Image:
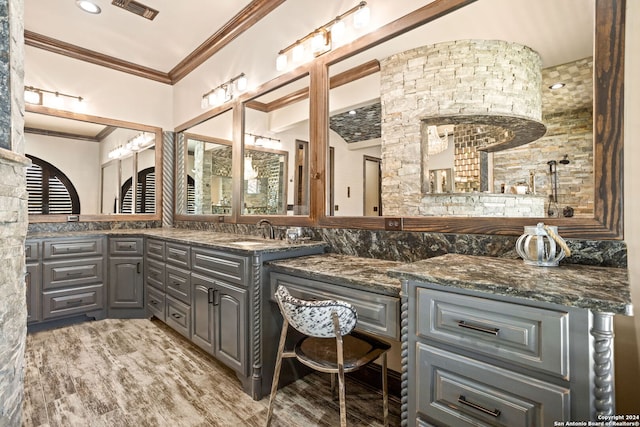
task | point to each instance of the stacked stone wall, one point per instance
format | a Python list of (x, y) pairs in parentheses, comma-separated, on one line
[(13, 214)]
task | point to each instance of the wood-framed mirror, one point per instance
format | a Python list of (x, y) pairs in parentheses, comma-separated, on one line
[(277, 153), (204, 167), (76, 154), (608, 60)]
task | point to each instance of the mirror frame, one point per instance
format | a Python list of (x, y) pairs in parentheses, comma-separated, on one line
[(608, 109), (108, 122)]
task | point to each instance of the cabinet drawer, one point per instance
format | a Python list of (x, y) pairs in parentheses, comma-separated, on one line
[(156, 303), (178, 316), (62, 274), (154, 273), (230, 268), (125, 246), (456, 390), (31, 251), (179, 255), (73, 248), (72, 301), (377, 314), (155, 249), (178, 284), (528, 336)]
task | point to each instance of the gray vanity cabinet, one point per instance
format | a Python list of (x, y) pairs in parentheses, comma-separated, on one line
[(126, 280), (219, 320), (219, 306), (73, 277), (494, 361)]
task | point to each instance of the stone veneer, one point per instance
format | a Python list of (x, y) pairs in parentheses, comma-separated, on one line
[(458, 78), (13, 213)]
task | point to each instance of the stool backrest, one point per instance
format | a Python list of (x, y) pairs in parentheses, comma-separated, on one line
[(314, 318)]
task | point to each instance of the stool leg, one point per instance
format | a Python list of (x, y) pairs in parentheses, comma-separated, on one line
[(333, 386), (276, 372), (385, 393)]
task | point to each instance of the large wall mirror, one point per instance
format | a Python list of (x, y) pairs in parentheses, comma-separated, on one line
[(91, 168), (204, 163), (276, 151), (395, 149)]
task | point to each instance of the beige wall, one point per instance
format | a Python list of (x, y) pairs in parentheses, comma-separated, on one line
[(627, 341)]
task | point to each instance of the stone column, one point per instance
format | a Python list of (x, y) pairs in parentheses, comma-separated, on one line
[(13, 213)]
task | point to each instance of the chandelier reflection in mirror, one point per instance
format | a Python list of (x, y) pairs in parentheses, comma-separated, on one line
[(139, 142), (435, 143), (332, 34)]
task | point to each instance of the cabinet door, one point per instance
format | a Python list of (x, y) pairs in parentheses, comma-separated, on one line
[(230, 326), (33, 281), (202, 311), (126, 286)]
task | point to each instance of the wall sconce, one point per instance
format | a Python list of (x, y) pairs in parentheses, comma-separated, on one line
[(261, 141), (322, 38), (54, 99), (139, 142), (225, 91)]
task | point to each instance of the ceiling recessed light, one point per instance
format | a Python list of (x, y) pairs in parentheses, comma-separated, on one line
[(88, 6), (556, 86)]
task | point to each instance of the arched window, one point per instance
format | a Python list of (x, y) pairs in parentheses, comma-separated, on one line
[(145, 194), (50, 191)]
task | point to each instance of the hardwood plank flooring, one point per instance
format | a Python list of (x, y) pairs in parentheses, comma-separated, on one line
[(139, 372)]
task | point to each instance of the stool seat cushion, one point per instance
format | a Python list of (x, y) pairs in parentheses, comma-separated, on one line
[(321, 353)]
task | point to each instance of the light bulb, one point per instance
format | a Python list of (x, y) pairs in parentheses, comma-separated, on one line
[(57, 101), (220, 95), (337, 32), (319, 42), (88, 6), (241, 83), (297, 54), (361, 17), (204, 102), (281, 62), (212, 99), (32, 97)]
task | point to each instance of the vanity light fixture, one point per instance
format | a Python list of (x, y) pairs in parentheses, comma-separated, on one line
[(261, 141), (558, 85), (137, 143), (88, 6), (36, 96), (322, 38), (225, 91)]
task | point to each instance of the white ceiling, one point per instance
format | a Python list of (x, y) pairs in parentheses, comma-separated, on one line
[(178, 29)]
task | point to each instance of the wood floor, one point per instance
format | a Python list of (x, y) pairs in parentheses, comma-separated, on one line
[(138, 372)]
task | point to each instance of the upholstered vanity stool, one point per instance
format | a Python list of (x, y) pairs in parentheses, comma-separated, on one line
[(330, 344)]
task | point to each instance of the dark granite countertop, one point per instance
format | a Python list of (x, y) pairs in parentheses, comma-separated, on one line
[(367, 274), (236, 242), (602, 289)]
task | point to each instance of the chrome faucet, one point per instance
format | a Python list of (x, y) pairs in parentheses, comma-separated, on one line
[(272, 233)]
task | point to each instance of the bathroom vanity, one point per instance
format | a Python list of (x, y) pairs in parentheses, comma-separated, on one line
[(492, 341), (207, 286)]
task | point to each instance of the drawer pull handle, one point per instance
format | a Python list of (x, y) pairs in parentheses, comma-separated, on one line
[(74, 273), (153, 302), (463, 400), (74, 302), (492, 331), (176, 315)]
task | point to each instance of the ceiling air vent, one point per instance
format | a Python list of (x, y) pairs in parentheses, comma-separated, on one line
[(137, 8)]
